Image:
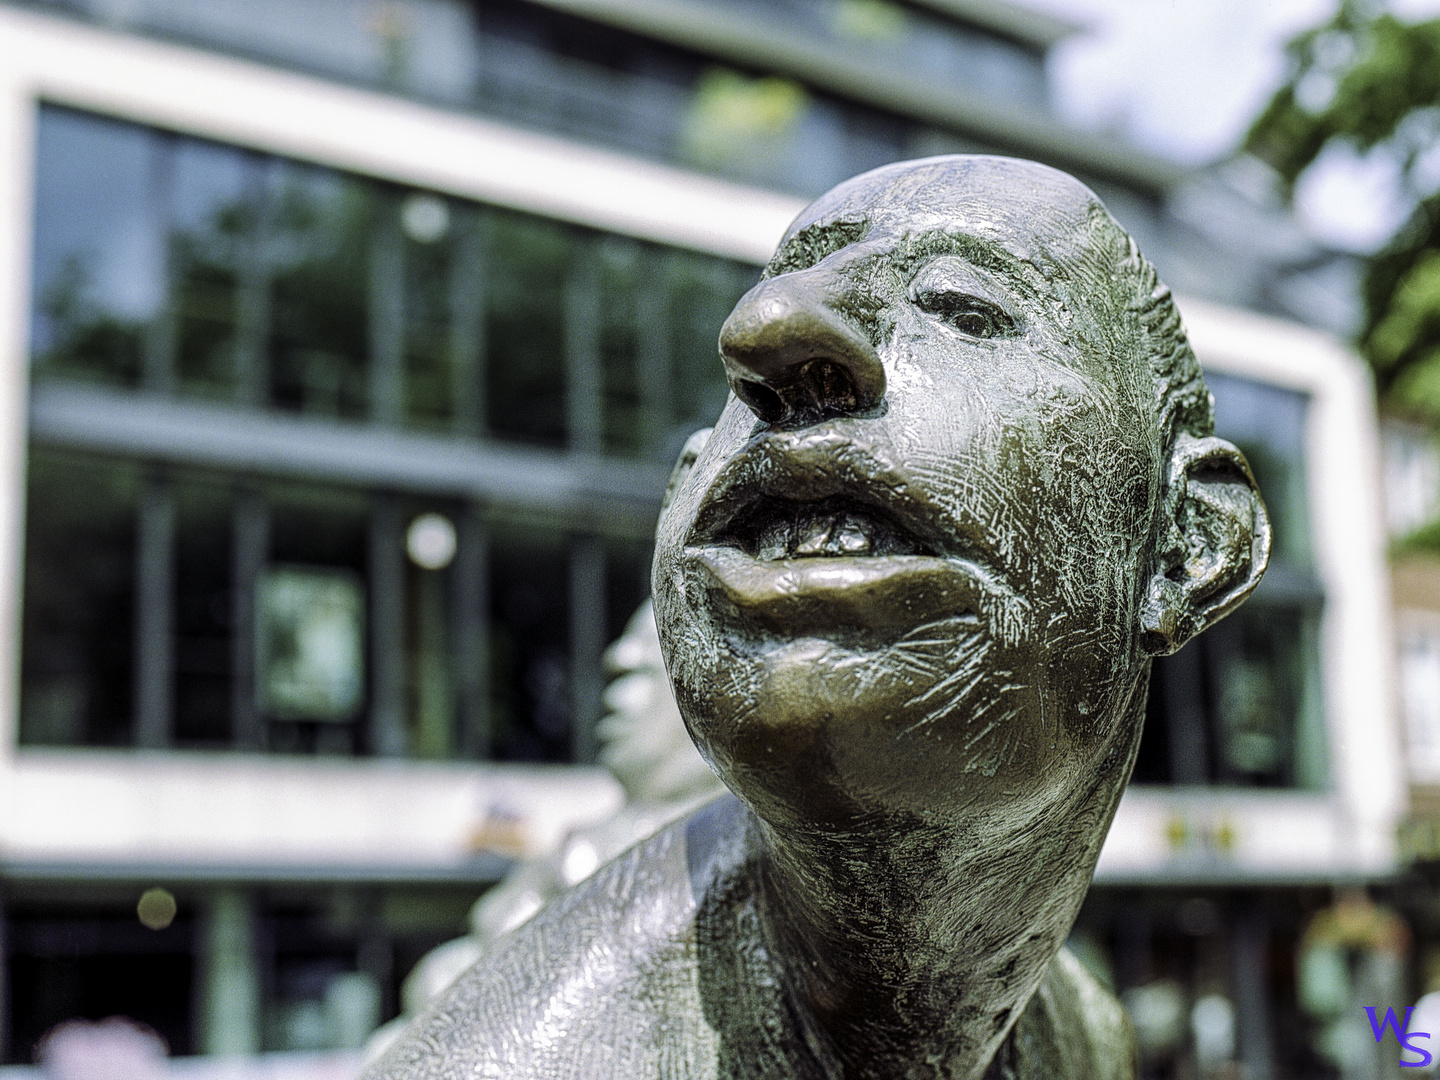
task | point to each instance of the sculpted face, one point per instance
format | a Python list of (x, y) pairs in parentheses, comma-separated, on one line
[(906, 572)]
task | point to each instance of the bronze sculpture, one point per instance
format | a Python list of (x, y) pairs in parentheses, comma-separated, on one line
[(909, 587)]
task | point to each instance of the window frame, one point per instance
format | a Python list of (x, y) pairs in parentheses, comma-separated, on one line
[(1214, 834)]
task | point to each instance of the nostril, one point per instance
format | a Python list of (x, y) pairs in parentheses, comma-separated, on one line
[(832, 386), (761, 400)]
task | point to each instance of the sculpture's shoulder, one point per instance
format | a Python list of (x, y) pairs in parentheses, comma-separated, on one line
[(1072, 1028), (656, 967), (601, 983)]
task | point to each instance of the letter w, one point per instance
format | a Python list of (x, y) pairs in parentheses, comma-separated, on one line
[(1379, 1026), (1403, 1035)]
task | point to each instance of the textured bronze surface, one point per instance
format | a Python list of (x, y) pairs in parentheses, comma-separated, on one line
[(909, 590)]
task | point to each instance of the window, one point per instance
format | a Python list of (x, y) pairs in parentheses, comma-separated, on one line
[(1240, 705), (174, 265), (545, 68), (236, 598), (1420, 693)]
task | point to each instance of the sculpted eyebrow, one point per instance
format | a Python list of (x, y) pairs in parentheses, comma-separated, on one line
[(812, 244), (981, 253)]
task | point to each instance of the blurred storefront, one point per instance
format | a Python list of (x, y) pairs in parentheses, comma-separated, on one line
[(344, 350)]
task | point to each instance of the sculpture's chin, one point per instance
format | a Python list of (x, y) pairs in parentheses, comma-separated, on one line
[(938, 720), (830, 688)]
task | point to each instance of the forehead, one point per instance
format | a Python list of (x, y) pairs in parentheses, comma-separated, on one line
[(1015, 215)]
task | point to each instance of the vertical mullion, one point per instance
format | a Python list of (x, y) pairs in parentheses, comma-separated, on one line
[(584, 386), (387, 627), (1249, 963), (387, 312), (5, 979), (157, 373), (587, 644), (469, 276), (375, 949), (471, 614), (653, 361), (154, 615), (253, 306), (230, 1002), (251, 552)]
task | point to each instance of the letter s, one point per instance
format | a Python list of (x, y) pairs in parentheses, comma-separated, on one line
[(1406, 1044)]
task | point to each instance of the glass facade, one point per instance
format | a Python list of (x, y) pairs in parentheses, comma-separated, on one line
[(1241, 705), (190, 271), (540, 67), (170, 604), (329, 960), (544, 69), (178, 266)]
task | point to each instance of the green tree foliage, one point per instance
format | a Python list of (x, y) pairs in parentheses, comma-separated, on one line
[(1371, 80)]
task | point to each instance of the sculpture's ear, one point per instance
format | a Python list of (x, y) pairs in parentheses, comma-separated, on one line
[(1214, 543), (684, 463)]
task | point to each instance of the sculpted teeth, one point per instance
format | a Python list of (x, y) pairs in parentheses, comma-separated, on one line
[(775, 540), (772, 529), (811, 534), (850, 539)]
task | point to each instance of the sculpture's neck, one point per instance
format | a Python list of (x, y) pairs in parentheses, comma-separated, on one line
[(914, 946)]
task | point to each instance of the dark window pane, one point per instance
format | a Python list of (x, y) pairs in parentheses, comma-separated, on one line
[(431, 538), (1264, 691), (430, 229), (530, 636), (67, 961), (212, 225), (308, 947), (318, 531), (203, 652), (1240, 705), (1268, 424), (99, 256), (319, 252), (618, 280), (529, 260), (703, 292), (627, 583), (78, 628)]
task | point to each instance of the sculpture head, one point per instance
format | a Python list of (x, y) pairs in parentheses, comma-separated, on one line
[(965, 488)]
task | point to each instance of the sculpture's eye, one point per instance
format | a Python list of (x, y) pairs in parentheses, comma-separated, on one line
[(968, 314)]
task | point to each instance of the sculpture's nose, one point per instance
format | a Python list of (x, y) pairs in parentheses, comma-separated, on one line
[(790, 356)]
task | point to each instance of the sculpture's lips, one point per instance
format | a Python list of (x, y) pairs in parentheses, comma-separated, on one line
[(883, 592), (818, 474), (809, 529)]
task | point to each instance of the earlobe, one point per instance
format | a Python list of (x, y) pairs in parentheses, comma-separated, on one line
[(684, 463), (1213, 546)]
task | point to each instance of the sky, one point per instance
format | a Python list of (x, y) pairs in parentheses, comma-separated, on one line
[(1184, 78)]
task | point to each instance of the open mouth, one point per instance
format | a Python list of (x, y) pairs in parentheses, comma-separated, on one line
[(773, 528), (820, 536)]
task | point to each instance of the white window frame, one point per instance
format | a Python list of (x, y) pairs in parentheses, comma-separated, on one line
[(1220, 834)]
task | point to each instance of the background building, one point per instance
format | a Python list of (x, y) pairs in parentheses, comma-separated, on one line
[(344, 349)]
